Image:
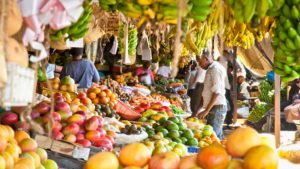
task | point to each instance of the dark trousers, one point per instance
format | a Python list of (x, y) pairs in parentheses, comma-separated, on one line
[(229, 115), (195, 95)]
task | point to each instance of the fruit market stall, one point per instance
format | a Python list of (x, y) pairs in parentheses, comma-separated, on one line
[(52, 123)]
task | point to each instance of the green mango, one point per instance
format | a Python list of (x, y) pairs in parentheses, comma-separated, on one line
[(292, 33), (294, 12)]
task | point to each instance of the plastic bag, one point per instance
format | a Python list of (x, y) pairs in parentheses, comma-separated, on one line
[(122, 139)]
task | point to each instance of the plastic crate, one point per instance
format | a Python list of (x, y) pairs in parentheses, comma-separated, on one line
[(20, 87), (193, 150)]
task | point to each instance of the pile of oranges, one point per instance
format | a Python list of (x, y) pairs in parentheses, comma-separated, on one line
[(102, 95)]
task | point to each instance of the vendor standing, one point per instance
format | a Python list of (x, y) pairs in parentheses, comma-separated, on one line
[(243, 88), (81, 70), (145, 73), (213, 95)]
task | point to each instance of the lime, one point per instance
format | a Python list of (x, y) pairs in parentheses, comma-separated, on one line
[(165, 132), (192, 142), (184, 140), (174, 119), (207, 130), (172, 126), (151, 121), (173, 134), (159, 128), (181, 126), (150, 133), (160, 150), (188, 134), (178, 151), (172, 144), (143, 119), (177, 140), (162, 120)]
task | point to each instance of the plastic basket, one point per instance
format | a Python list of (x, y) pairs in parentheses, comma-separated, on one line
[(20, 87), (193, 150), (126, 112)]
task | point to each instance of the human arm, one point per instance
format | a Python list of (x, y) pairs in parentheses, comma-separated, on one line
[(210, 105), (96, 77), (58, 68)]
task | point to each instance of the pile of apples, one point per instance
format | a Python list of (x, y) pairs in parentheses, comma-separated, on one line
[(73, 127), (19, 151), (102, 95)]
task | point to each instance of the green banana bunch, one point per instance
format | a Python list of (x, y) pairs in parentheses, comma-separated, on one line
[(200, 9), (78, 29), (121, 39), (258, 112), (286, 42), (108, 5), (132, 40), (275, 6)]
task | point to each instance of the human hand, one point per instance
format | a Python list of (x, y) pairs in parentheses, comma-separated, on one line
[(202, 114)]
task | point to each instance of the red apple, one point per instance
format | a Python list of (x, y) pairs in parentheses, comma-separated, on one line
[(112, 140), (84, 142), (57, 135), (42, 107), (80, 136), (65, 115), (76, 118), (9, 118), (92, 124), (168, 160), (59, 99), (70, 138), (71, 128), (35, 114), (102, 132), (81, 95), (145, 105), (62, 106), (104, 143), (22, 126), (139, 109), (56, 126), (93, 136)]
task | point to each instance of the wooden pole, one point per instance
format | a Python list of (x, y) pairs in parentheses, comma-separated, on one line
[(277, 110), (234, 85)]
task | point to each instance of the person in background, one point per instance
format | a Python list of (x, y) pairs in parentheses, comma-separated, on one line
[(196, 84), (52, 68), (243, 88), (145, 73), (190, 81), (213, 100), (164, 70), (81, 70)]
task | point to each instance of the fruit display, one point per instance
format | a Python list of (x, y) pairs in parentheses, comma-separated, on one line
[(115, 87), (200, 9), (158, 146), (126, 78), (78, 29), (19, 151), (172, 128), (102, 95), (286, 42), (258, 112), (131, 129), (106, 111)]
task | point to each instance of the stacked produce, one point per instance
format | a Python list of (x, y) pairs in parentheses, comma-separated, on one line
[(102, 95), (132, 40), (250, 153), (251, 10), (78, 29), (286, 42), (75, 127), (200, 32), (19, 151), (258, 112), (172, 128)]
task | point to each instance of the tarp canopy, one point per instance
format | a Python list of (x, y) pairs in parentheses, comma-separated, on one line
[(259, 58)]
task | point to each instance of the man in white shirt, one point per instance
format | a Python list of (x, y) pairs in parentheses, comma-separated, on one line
[(213, 95)]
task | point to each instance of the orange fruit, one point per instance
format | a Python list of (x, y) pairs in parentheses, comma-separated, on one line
[(96, 101), (20, 135), (102, 94), (261, 156), (108, 92), (213, 156), (104, 100), (102, 160), (97, 90), (245, 137), (92, 95), (139, 158)]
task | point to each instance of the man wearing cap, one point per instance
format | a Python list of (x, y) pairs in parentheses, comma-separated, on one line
[(81, 70), (213, 102)]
